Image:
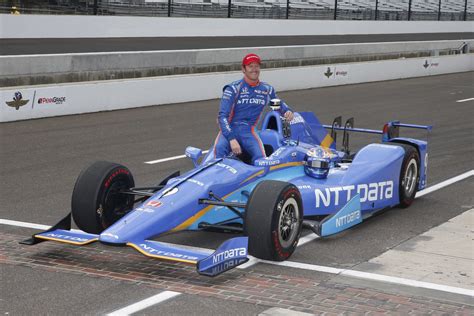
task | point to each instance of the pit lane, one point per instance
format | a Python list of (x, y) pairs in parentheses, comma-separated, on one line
[(41, 159)]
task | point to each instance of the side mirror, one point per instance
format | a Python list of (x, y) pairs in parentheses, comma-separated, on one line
[(194, 154)]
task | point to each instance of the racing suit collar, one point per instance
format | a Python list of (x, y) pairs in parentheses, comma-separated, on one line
[(252, 84)]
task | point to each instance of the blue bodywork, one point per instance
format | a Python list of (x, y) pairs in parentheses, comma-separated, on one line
[(352, 190)]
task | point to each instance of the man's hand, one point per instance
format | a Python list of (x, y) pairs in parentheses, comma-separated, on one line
[(235, 146), (289, 116)]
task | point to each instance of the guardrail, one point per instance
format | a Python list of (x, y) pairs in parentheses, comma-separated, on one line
[(410, 10)]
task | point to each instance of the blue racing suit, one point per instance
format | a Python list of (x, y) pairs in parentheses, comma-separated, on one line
[(240, 110)]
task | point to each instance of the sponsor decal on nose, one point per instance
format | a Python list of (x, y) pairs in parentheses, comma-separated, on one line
[(154, 203)]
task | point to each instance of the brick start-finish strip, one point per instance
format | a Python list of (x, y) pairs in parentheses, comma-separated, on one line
[(249, 286)]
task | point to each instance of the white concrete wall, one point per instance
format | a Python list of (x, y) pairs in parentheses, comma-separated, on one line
[(65, 26), (122, 94), (15, 65)]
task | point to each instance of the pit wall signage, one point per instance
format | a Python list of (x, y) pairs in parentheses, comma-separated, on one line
[(17, 104), (29, 99), (336, 72)]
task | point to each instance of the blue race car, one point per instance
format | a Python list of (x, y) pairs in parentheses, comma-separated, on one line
[(303, 182)]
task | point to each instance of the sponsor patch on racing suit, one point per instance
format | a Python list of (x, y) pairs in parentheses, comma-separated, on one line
[(240, 110)]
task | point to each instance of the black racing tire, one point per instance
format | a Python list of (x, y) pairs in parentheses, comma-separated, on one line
[(95, 204), (273, 220), (409, 176)]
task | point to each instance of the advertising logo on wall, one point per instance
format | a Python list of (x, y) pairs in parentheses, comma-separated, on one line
[(51, 100), (328, 73), (336, 72), (431, 63), (17, 101)]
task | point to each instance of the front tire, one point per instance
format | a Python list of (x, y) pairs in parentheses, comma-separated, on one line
[(409, 176), (273, 220), (96, 203)]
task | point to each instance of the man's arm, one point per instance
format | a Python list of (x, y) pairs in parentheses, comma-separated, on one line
[(225, 115), (225, 111)]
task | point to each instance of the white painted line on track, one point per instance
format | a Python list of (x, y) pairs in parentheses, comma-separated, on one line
[(28, 225), (24, 224), (465, 100), (408, 282), (138, 306), (373, 276), (170, 158), (303, 240), (305, 266), (312, 267), (445, 183)]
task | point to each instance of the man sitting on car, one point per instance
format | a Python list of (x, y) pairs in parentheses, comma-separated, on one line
[(242, 103)]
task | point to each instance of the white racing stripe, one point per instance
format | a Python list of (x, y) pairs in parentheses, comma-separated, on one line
[(170, 158), (465, 100), (138, 306)]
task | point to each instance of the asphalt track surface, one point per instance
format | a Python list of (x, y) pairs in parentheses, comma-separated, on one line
[(86, 45), (40, 160)]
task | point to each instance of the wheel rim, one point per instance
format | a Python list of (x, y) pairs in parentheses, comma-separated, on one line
[(288, 223), (409, 180), (115, 205)]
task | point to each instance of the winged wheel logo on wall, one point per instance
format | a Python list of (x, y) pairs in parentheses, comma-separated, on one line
[(18, 101)]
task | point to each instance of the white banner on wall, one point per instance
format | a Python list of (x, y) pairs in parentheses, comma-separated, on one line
[(21, 103)]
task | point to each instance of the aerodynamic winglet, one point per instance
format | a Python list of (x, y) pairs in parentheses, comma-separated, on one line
[(64, 224), (229, 255), (348, 216)]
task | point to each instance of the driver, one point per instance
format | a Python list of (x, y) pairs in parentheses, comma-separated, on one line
[(241, 105)]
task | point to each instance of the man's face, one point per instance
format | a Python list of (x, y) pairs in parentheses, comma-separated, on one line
[(252, 71)]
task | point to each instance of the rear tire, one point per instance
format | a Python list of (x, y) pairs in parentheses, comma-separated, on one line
[(95, 203), (409, 176), (273, 220)]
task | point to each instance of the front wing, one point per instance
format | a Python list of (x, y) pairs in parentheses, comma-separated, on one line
[(228, 255)]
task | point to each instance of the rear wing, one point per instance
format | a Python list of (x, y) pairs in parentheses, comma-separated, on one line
[(390, 134), (390, 130)]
